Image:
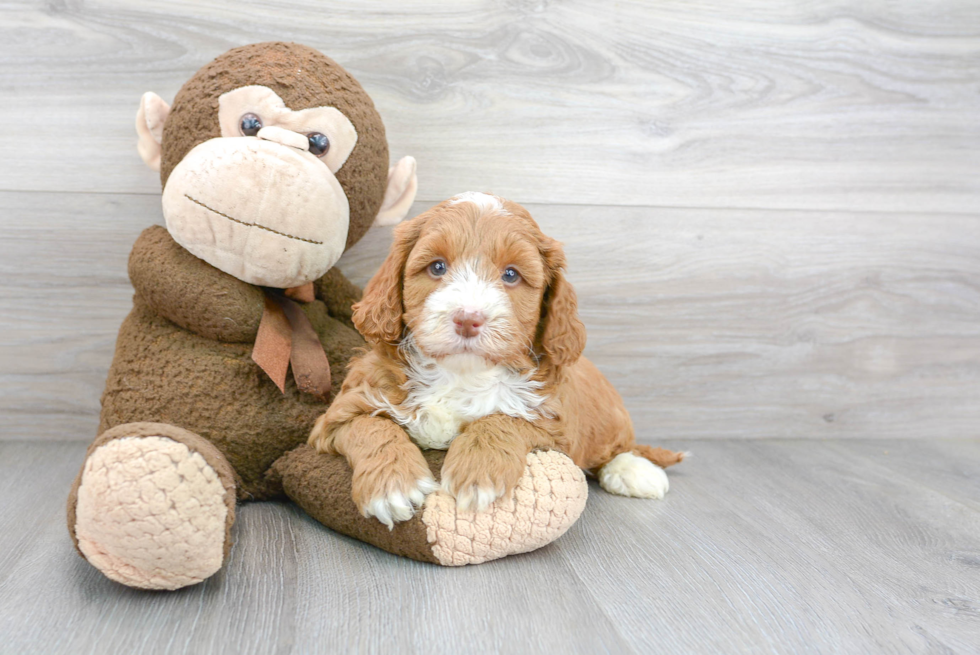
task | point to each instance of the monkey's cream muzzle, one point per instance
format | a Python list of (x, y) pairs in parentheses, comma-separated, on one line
[(262, 209)]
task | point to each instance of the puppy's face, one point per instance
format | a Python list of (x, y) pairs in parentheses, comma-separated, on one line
[(473, 283), (474, 276)]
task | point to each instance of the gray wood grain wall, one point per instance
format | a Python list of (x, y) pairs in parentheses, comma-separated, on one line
[(771, 210)]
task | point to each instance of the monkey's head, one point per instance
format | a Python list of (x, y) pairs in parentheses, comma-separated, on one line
[(273, 161)]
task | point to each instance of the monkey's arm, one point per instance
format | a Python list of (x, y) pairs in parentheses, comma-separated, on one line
[(338, 293), (190, 292)]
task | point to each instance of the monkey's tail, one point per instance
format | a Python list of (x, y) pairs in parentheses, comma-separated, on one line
[(659, 456)]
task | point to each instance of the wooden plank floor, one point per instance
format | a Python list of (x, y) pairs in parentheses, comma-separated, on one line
[(775, 546)]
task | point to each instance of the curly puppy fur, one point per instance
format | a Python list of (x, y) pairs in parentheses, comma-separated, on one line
[(476, 347)]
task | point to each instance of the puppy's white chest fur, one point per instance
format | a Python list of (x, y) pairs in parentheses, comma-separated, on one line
[(445, 395)]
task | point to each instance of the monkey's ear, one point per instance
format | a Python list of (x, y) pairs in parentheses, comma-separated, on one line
[(150, 117), (400, 193)]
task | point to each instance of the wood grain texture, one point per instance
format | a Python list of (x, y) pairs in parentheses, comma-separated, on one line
[(814, 104), (770, 546), (772, 218), (712, 324)]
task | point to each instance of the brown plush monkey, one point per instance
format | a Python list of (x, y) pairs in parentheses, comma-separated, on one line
[(273, 161)]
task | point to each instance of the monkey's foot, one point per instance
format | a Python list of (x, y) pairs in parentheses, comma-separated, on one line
[(548, 499), (153, 506)]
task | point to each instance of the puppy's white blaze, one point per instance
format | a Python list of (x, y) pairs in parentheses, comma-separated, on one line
[(630, 475), (484, 201), (464, 290), (397, 506)]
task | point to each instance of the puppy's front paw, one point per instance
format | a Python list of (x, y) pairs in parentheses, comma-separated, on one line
[(477, 477), (390, 487), (471, 496), (399, 504), (320, 435)]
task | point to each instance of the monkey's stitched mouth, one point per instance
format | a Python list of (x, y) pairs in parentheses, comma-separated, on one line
[(261, 227)]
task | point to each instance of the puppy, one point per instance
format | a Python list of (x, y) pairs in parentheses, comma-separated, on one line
[(476, 348)]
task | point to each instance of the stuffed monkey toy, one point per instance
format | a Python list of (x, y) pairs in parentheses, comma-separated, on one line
[(273, 162)]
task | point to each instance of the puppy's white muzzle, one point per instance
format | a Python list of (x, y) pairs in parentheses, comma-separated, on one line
[(466, 314)]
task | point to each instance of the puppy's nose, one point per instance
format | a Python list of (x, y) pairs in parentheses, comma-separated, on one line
[(468, 324)]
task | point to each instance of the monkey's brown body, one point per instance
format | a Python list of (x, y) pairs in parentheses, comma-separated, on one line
[(195, 371), (190, 422)]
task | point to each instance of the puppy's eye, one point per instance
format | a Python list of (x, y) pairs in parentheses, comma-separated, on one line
[(319, 143), (511, 276), (250, 124), (437, 268)]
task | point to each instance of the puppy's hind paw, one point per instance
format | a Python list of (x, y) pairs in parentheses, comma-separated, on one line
[(630, 475)]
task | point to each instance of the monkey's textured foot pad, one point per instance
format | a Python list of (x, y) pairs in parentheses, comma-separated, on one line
[(548, 499), (153, 506)]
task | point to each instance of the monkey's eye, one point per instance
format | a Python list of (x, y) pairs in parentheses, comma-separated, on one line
[(250, 124), (437, 268), (511, 276), (319, 143)]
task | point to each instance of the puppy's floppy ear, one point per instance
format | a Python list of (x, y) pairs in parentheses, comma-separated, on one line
[(378, 316), (561, 334)]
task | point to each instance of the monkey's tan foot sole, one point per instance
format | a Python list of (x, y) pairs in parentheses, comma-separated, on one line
[(548, 499), (152, 512)]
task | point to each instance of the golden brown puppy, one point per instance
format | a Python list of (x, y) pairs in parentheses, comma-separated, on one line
[(476, 348)]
